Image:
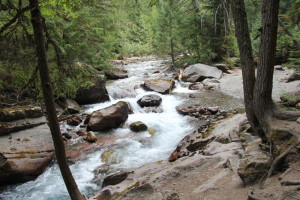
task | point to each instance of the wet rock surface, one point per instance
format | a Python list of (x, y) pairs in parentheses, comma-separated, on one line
[(138, 126), (163, 86), (149, 101), (108, 118)]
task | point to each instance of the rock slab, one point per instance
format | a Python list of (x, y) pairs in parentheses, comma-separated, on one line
[(199, 72)]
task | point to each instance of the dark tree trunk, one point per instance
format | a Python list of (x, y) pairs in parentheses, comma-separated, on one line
[(243, 38), (171, 33), (263, 103), (60, 153)]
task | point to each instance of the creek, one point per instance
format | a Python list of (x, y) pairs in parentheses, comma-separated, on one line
[(128, 150)]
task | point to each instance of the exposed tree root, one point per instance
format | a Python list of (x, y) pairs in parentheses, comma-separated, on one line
[(251, 197), (290, 183), (286, 115), (276, 161)]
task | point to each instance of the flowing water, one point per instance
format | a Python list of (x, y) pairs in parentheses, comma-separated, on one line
[(128, 151)]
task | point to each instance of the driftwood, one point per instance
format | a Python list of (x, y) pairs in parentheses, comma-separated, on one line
[(290, 183)]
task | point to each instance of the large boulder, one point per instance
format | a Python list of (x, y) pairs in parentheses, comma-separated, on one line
[(294, 77), (110, 117), (199, 72), (97, 93), (20, 112), (163, 86), (149, 100), (70, 106), (116, 74), (24, 155)]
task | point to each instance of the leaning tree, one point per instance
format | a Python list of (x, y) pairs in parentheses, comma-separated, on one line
[(274, 125), (39, 35)]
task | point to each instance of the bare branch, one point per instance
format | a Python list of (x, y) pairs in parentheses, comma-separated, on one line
[(14, 19)]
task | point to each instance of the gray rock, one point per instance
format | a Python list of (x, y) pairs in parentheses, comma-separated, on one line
[(163, 86), (116, 74), (25, 154), (153, 110), (109, 117), (199, 72), (96, 93), (70, 106), (298, 120), (298, 105), (223, 67), (138, 126), (294, 77), (278, 67), (150, 100), (196, 86)]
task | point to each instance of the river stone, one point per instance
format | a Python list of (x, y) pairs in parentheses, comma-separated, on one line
[(298, 120), (163, 86), (199, 72), (138, 126), (153, 110), (196, 86), (109, 157), (150, 100), (109, 117), (91, 137), (294, 77), (116, 74), (20, 112), (96, 93)]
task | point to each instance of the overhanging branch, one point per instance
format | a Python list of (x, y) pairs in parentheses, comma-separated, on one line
[(14, 19)]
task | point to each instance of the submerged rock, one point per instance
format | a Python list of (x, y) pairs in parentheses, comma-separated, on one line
[(150, 100), (138, 126), (109, 117), (196, 86), (199, 72), (163, 86)]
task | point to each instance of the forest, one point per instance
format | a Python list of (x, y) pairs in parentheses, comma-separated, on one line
[(84, 36), (130, 99)]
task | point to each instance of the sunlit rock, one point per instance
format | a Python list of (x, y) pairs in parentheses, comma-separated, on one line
[(199, 72), (109, 117), (116, 74), (91, 137), (163, 86)]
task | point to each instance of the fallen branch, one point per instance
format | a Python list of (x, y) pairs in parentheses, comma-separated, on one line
[(163, 71)]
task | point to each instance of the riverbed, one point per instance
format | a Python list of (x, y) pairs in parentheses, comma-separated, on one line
[(128, 150)]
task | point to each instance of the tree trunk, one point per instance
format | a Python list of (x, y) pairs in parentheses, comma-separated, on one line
[(263, 103), (171, 33), (244, 43), (36, 20)]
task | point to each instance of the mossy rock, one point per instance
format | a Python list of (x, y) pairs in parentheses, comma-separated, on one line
[(151, 131), (20, 112), (138, 126), (291, 99)]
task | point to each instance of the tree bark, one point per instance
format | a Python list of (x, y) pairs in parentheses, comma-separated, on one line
[(36, 20), (244, 43), (263, 103)]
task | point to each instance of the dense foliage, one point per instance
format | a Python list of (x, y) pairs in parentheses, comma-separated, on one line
[(83, 36)]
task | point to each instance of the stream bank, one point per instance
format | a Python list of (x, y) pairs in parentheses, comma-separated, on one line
[(125, 148)]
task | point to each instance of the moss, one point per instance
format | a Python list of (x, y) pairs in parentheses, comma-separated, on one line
[(280, 136)]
